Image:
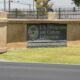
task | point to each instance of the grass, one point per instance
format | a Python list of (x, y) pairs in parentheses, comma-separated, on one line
[(67, 55)]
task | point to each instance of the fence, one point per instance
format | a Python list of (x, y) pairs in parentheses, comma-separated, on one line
[(24, 14), (62, 13), (68, 13)]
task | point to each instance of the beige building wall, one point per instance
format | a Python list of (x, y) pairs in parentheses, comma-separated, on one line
[(16, 35)]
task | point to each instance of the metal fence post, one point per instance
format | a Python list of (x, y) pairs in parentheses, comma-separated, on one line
[(74, 9), (16, 13), (59, 13), (37, 14)]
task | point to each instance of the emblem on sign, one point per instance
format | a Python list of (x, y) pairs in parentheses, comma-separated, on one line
[(33, 32)]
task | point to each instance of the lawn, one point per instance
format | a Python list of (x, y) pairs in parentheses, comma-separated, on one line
[(67, 55)]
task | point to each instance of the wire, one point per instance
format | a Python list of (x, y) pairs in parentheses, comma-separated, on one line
[(21, 3), (17, 2)]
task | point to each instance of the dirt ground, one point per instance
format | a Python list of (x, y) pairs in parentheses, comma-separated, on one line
[(74, 43)]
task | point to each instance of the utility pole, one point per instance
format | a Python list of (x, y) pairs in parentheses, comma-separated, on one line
[(33, 5), (9, 7), (4, 5)]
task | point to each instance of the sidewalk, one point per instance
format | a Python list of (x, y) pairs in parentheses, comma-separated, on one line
[(3, 60)]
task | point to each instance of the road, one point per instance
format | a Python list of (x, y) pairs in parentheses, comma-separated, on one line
[(34, 71)]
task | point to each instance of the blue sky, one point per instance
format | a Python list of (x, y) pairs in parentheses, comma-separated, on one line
[(57, 3)]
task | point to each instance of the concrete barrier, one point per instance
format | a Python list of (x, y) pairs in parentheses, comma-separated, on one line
[(52, 15), (3, 32), (3, 15)]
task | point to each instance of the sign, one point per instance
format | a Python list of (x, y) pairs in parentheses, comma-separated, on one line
[(47, 34)]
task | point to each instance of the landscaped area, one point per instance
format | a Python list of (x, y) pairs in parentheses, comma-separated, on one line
[(65, 55)]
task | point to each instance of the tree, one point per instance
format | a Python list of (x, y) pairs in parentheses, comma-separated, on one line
[(43, 6), (76, 2)]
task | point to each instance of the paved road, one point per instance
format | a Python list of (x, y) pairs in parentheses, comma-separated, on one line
[(28, 71)]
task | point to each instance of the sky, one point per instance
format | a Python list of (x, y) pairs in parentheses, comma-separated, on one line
[(57, 4)]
